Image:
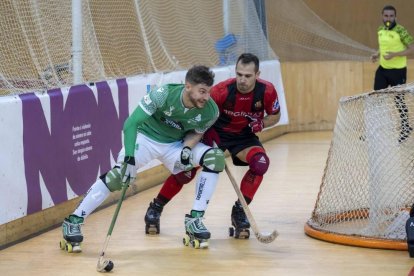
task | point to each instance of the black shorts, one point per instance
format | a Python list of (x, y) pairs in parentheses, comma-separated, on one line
[(237, 144), (389, 77)]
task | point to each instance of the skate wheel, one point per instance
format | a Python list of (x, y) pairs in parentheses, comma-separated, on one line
[(242, 234), (195, 244), (204, 244), (68, 247), (62, 244), (152, 229), (76, 248), (231, 231), (186, 240)]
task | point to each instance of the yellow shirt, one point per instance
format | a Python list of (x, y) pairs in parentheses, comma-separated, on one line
[(395, 40)]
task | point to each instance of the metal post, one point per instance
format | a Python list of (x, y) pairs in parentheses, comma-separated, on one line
[(77, 41), (226, 16)]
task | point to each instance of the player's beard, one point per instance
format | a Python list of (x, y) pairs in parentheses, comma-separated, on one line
[(244, 88), (198, 103), (389, 24)]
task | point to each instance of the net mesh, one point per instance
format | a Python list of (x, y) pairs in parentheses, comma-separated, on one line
[(367, 187), (121, 38), (298, 34), (131, 37)]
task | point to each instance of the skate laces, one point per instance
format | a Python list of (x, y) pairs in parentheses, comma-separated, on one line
[(75, 228), (74, 224), (239, 213), (197, 223)]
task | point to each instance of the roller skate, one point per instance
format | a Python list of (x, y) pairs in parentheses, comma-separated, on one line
[(152, 217), (72, 235), (196, 233), (240, 223)]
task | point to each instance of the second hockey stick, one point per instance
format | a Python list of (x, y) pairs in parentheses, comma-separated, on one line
[(107, 265), (263, 238)]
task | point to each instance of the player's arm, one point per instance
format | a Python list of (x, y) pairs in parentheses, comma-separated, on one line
[(128, 168), (147, 106), (271, 120), (130, 129), (408, 51), (272, 109), (408, 41), (192, 138), (375, 56)]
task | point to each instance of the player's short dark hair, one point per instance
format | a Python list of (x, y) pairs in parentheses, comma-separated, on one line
[(246, 58), (200, 74), (389, 8)]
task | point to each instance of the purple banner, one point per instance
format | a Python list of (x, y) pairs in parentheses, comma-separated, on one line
[(85, 134)]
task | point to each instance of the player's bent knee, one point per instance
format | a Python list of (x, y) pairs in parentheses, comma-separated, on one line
[(213, 160), (112, 179), (259, 163), (185, 177)]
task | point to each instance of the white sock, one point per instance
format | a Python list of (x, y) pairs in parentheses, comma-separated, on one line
[(205, 186), (93, 198)]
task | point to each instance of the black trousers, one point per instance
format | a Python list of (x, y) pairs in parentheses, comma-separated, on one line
[(392, 77), (389, 77)]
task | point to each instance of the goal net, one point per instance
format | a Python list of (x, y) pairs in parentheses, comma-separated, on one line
[(132, 37), (121, 38), (368, 184)]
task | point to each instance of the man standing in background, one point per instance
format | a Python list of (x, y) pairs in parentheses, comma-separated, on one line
[(395, 43)]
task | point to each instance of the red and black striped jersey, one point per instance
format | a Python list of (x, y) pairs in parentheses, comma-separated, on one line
[(234, 106)]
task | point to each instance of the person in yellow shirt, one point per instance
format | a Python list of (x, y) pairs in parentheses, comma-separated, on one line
[(395, 43)]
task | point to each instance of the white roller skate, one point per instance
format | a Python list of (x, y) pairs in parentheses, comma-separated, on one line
[(196, 233), (72, 235)]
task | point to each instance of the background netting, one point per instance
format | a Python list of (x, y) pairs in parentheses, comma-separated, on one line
[(367, 187), (121, 38), (131, 37), (298, 34)]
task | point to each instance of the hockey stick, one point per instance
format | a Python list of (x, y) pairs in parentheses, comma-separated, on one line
[(263, 238), (107, 265)]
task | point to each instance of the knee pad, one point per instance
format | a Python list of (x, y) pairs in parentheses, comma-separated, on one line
[(185, 177), (112, 179), (213, 160), (258, 161)]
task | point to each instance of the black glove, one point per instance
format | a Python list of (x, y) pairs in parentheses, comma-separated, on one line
[(186, 159)]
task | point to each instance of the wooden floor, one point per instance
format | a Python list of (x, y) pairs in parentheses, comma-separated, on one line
[(284, 202)]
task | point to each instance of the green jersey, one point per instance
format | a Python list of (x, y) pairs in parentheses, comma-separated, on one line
[(395, 40), (162, 116)]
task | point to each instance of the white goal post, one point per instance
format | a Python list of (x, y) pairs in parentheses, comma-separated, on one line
[(368, 184)]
